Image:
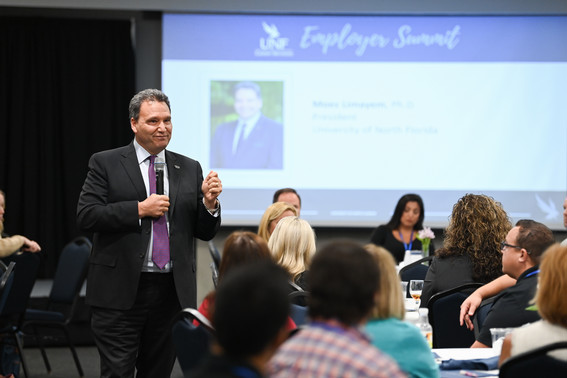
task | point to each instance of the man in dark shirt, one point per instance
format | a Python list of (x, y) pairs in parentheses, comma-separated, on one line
[(521, 253), (250, 315)]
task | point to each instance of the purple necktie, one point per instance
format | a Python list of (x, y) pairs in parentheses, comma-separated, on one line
[(160, 248)]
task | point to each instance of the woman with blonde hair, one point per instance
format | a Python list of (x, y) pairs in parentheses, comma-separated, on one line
[(471, 249), (292, 245), (551, 304), (240, 248), (273, 214), (389, 333)]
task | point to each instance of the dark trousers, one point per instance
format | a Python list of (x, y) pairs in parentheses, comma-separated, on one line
[(139, 338)]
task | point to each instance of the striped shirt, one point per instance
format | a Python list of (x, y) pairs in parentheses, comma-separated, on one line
[(327, 349)]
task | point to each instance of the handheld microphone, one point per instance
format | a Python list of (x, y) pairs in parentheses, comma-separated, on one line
[(159, 166)]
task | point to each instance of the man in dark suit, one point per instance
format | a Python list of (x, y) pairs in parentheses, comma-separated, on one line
[(142, 266), (253, 141)]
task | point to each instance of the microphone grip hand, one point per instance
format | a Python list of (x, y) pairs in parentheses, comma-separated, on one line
[(154, 206)]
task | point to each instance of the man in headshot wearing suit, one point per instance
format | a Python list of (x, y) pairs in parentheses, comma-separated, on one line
[(253, 141), (142, 265)]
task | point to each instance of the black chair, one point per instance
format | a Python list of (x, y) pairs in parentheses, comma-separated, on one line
[(299, 308), (215, 265), (535, 363), (67, 283), (191, 341), (444, 309), (6, 281), (414, 271), (480, 315), (15, 302)]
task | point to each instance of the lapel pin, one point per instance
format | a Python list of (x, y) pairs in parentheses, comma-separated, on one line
[(176, 166)]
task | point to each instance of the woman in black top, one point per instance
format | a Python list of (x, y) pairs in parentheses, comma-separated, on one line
[(400, 233)]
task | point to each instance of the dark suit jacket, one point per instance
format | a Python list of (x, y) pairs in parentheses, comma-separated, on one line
[(263, 149), (108, 207)]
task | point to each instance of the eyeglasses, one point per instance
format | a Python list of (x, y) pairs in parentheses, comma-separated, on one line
[(503, 245)]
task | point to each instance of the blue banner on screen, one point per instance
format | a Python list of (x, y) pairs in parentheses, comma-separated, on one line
[(355, 111)]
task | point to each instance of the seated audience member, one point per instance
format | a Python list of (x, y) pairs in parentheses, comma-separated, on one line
[(251, 310), (551, 304), (290, 196), (399, 234), (292, 245), (387, 330), (469, 306), (12, 244), (273, 214), (344, 281), (240, 248), (471, 249), (521, 253)]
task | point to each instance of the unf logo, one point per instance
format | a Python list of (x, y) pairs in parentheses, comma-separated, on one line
[(273, 41)]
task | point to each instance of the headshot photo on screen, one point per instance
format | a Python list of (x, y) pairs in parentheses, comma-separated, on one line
[(246, 125)]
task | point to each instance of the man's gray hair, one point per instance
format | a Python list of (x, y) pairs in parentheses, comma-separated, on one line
[(146, 95), (248, 85)]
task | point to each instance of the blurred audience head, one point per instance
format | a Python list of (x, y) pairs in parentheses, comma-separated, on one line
[(290, 196), (390, 299), (251, 310), (550, 298), (524, 245), (408, 203), (292, 245), (240, 248), (343, 282), (534, 237), (476, 227), (273, 214)]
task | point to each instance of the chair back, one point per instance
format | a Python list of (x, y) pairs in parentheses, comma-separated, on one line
[(444, 309), (215, 254), (71, 272), (215, 265), (25, 273), (417, 270), (6, 281), (536, 363), (299, 307), (191, 342)]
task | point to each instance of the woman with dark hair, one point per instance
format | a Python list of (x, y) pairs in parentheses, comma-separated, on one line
[(399, 234), (240, 248), (471, 249)]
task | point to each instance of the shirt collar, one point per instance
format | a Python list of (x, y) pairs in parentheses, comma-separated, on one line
[(250, 121), (142, 154), (528, 271)]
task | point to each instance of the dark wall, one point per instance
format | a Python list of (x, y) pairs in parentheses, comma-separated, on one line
[(66, 84)]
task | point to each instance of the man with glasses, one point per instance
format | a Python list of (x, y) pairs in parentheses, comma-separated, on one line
[(521, 252)]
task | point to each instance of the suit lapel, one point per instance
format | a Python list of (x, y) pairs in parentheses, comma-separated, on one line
[(130, 163), (174, 173)]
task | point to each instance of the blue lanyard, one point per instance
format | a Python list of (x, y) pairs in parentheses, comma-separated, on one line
[(407, 246), (244, 372), (532, 273)]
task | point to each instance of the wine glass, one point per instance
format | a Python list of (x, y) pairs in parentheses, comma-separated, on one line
[(416, 286)]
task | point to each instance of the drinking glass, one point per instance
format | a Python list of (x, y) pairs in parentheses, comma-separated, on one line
[(404, 289), (415, 288)]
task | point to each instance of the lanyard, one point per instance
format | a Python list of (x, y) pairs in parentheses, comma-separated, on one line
[(244, 372), (407, 246), (532, 273)]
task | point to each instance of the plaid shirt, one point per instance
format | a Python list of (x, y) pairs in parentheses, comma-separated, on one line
[(327, 349)]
